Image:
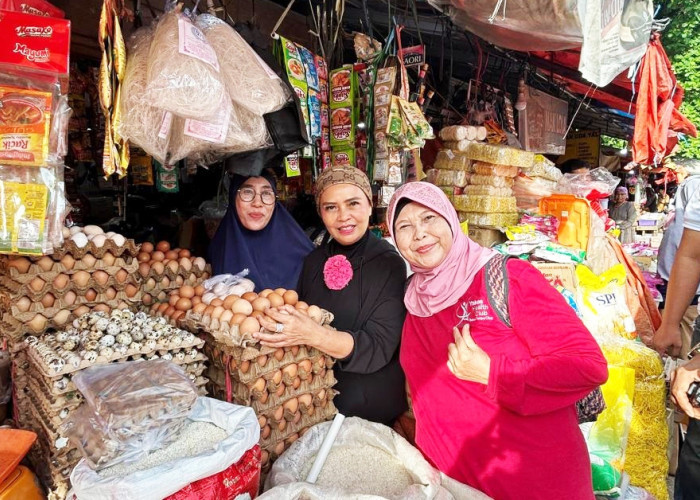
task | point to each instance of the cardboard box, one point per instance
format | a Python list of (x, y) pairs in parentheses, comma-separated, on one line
[(559, 274), (486, 237)]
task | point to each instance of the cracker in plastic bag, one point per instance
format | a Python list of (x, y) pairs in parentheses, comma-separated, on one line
[(604, 302), (483, 168), (183, 70), (491, 180), (484, 204)]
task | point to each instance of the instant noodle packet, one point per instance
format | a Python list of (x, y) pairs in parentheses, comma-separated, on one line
[(25, 124)]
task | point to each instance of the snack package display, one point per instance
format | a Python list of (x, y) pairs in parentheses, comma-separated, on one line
[(482, 168), (458, 178), (250, 82), (25, 121), (603, 302), (491, 180), (530, 190), (596, 184), (485, 190), (500, 155), (544, 169), (489, 220), (131, 408), (484, 204), (183, 74)]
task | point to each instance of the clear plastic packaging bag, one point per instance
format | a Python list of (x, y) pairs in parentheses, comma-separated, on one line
[(484, 190), (183, 70), (458, 178), (484, 204), (130, 409), (529, 190), (491, 180), (482, 168), (249, 81), (489, 220), (596, 184), (449, 160), (142, 124), (500, 155), (543, 168)]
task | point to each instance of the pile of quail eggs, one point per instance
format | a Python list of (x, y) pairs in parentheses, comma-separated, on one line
[(113, 336)]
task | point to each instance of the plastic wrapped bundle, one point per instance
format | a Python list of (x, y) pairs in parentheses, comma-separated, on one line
[(500, 155), (187, 82), (483, 168), (491, 180), (489, 220), (249, 81), (461, 146), (246, 132), (529, 191), (484, 204), (543, 168), (458, 178), (483, 190), (142, 124), (449, 160)]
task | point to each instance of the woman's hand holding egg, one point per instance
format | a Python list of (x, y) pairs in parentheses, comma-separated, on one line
[(466, 360), (297, 328)]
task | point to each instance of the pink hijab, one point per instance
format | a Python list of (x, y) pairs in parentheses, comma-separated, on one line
[(432, 290)]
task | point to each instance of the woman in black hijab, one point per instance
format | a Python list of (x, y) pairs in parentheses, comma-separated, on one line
[(257, 233), (360, 279)]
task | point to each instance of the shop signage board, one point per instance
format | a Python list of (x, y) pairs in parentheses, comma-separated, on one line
[(543, 123), (583, 145), (413, 56)]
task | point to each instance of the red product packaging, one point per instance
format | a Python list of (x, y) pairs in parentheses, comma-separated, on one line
[(34, 7), (242, 477), (34, 43)]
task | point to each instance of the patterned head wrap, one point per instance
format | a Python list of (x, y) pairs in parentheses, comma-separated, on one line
[(342, 175)]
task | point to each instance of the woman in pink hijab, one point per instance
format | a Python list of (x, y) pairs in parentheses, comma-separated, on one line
[(494, 378)]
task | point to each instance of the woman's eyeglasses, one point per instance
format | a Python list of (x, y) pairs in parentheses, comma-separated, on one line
[(248, 194)]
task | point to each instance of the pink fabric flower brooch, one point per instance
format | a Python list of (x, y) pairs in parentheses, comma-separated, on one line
[(337, 272)]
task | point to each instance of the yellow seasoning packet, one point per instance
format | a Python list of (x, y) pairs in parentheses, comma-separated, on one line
[(22, 217), (25, 121)]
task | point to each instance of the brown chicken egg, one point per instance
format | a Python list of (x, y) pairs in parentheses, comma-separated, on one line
[(37, 323), (242, 306), (21, 264), (290, 297), (158, 256), (23, 304), (90, 295), (199, 308), (171, 255), (184, 253), (147, 299), (37, 284), (147, 247), (100, 277), (249, 296), (185, 264), (260, 304), (199, 290), (121, 275), (68, 262), (60, 282), (186, 292), (109, 259), (80, 310), (48, 300), (163, 246), (69, 298), (88, 261), (61, 317), (275, 300), (184, 304), (237, 318), (158, 267), (81, 278), (144, 257), (45, 263), (199, 263), (131, 290), (110, 293), (250, 325)]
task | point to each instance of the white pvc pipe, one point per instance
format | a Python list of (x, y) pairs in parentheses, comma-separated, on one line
[(325, 449)]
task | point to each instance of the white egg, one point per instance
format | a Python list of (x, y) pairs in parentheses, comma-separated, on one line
[(75, 229), (80, 240), (89, 230), (220, 289), (99, 240), (118, 239), (66, 232)]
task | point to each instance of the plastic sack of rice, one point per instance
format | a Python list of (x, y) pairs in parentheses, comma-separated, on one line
[(366, 459), (249, 81), (183, 74)]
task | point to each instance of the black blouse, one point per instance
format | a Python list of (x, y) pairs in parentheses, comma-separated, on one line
[(371, 384)]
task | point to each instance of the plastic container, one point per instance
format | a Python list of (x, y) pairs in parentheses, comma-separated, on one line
[(574, 216), (21, 483)]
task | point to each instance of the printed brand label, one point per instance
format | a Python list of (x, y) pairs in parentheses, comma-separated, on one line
[(165, 125), (191, 42)]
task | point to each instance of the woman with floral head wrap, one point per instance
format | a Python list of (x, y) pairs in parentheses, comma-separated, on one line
[(624, 214), (360, 279), (494, 377)]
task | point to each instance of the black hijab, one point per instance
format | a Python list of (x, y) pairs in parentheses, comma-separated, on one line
[(274, 255)]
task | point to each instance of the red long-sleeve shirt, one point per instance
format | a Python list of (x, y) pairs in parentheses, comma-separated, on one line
[(518, 436)]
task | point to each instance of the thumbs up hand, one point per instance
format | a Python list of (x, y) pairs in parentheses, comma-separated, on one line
[(466, 360)]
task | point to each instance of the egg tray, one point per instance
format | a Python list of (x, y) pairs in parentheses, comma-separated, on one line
[(60, 305), (317, 403), (318, 364), (321, 414), (130, 248), (23, 289), (12, 275), (216, 352), (53, 403), (229, 335), (55, 480), (243, 395), (44, 369), (195, 271)]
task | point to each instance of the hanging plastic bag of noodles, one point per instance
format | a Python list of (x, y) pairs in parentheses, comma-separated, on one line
[(248, 79), (183, 71), (142, 124), (233, 130)]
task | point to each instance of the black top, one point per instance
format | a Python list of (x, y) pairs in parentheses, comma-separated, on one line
[(371, 384)]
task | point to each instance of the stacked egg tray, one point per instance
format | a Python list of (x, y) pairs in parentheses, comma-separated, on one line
[(45, 395), (37, 294), (289, 388)]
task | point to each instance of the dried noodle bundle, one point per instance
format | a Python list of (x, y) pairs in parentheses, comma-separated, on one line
[(141, 122), (182, 84), (249, 81)]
